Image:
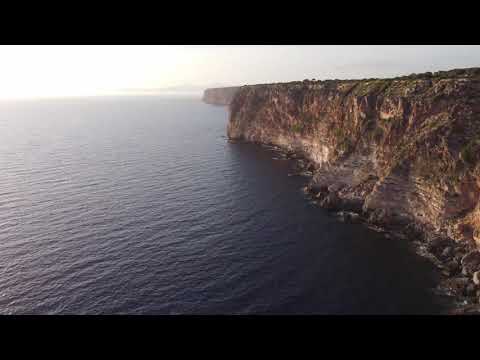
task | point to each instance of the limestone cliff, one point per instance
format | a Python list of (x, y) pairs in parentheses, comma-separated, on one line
[(404, 150), (220, 96)]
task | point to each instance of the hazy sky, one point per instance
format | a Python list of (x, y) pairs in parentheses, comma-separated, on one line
[(30, 71)]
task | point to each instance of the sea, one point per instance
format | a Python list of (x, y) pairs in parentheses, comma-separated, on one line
[(140, 205)]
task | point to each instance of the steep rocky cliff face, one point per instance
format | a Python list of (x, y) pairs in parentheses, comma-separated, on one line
[(403, 150), (220, 96)]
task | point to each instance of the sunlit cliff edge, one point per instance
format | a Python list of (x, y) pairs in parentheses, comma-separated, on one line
[(404, 150), (220, 96)]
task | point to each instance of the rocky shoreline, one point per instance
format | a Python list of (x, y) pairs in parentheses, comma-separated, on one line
[(401, 155), (457, 263)]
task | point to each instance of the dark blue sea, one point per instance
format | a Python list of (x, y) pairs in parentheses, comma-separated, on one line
[(139, 205)]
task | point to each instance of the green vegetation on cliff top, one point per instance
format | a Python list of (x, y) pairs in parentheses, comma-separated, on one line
[(378, 83)]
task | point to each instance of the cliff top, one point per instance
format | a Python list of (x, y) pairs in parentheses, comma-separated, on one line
[(359, 86), (222, 88), (425, 84), (473, 72)]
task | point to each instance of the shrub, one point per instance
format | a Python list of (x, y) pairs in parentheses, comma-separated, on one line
[(469, 151), (297, 127), (377, 134)]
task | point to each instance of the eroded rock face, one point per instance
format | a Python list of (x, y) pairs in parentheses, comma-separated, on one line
[(407, 147), (476, 277), (471, 262)]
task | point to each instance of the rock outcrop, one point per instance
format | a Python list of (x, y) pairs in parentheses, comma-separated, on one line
[(220, 96), (405, 150), (401, 154)]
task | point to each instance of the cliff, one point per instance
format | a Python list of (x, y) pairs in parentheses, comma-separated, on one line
[(402, 151), (220, 96)]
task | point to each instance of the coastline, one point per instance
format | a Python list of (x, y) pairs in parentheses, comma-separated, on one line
[(401, 155), (445, 254)]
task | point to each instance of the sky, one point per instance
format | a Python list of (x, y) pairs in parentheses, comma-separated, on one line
[(58, 71)]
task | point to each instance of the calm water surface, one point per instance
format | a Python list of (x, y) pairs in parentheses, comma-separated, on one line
[(138, 205)]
